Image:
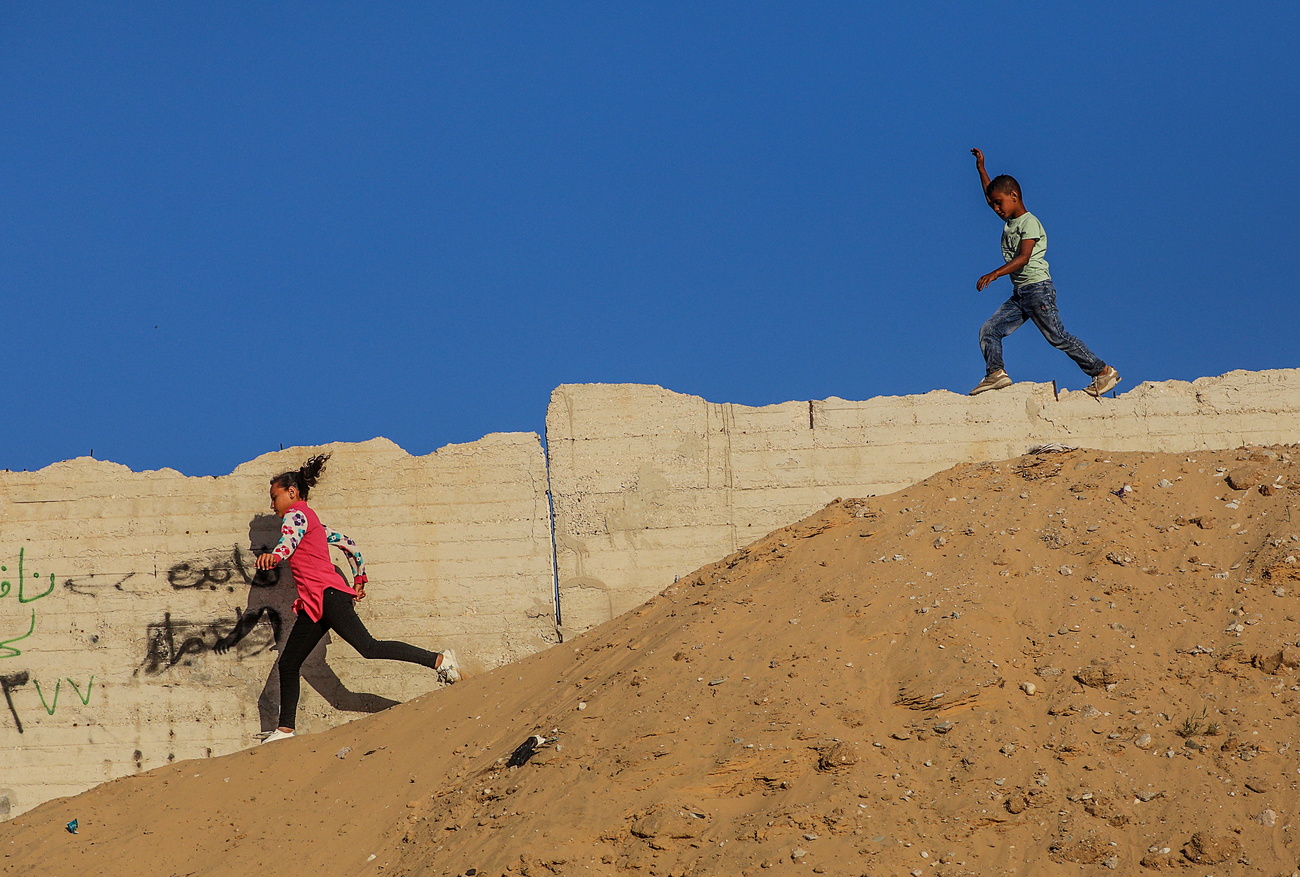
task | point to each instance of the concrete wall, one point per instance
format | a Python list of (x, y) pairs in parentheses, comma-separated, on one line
[(128, 579), (651, 484)]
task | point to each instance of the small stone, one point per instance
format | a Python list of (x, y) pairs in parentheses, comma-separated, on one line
[(1028, 688), (798, 854), (343, 753), (1267, 818), (1164, 482), (1205, 522), (1245, 477), (1008, 749), (1143, 741), (943, 727), (1065, 570), (1146, 795)]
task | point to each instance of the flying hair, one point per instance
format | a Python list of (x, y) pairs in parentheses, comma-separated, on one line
[(1003, 184), (304, 478)]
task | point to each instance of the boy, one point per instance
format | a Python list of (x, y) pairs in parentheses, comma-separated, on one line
[(1034, 297)]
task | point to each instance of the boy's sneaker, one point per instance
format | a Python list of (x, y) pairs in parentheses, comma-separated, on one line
[(1103, 383), (277, 734), (449, 670), (995, 381)]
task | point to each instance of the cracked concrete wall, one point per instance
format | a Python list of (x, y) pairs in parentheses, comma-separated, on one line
[(650, 484), (116, 585)]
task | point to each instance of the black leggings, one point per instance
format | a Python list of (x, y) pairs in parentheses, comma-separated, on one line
[(341, 616)]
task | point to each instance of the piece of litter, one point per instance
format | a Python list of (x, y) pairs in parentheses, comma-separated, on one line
[(526, 750)]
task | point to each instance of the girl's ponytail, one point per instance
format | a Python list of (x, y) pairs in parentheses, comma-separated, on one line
[(305, 478)]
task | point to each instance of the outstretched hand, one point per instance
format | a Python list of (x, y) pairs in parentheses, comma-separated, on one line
[(979, 157), (984, 281)]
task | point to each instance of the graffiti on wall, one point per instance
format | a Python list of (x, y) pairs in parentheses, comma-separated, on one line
[(7, 649), (220, 569), (27, 587), (174, 641), (49, 700)]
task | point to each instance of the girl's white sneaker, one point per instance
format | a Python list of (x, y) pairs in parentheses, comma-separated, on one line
[(449, 671), (277, 734)]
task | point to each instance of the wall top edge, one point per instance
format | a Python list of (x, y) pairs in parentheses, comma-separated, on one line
[(273, 462), (1230, 378)]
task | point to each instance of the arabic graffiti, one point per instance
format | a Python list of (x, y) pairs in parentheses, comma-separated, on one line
[(6, 587), (87, 585), (11, 681), (218, 569), (7, 684), (54, 702), (175, 641)]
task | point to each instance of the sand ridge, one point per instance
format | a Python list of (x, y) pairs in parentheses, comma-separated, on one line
[(1018, 667)]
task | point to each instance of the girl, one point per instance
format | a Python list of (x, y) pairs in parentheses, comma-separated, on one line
[(324, 598)]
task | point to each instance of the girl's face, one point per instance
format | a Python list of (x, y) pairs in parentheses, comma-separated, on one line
[(282, 498)]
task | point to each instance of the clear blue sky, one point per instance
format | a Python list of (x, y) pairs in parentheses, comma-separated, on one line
[(226, 227)]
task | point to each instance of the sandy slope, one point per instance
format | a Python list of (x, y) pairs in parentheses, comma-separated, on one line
[(847, 696)]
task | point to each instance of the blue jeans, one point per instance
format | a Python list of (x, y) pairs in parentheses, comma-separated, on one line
[(1037, 302)]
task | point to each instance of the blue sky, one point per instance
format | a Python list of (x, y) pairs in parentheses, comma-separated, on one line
[(227, 227)]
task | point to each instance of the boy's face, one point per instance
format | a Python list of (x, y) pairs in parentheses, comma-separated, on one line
[(1006, 204)]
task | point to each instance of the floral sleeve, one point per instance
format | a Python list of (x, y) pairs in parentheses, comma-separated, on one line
[(352, 551), (292, 529)]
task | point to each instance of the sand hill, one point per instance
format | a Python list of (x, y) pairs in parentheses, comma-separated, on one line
[(1058, 664)]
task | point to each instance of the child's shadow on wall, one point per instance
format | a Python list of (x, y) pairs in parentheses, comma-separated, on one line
[(270, 598)]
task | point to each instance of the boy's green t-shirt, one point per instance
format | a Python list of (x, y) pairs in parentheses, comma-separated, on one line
[(1026, 225)]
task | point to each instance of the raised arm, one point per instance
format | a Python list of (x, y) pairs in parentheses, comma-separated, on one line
[(984, 175)]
